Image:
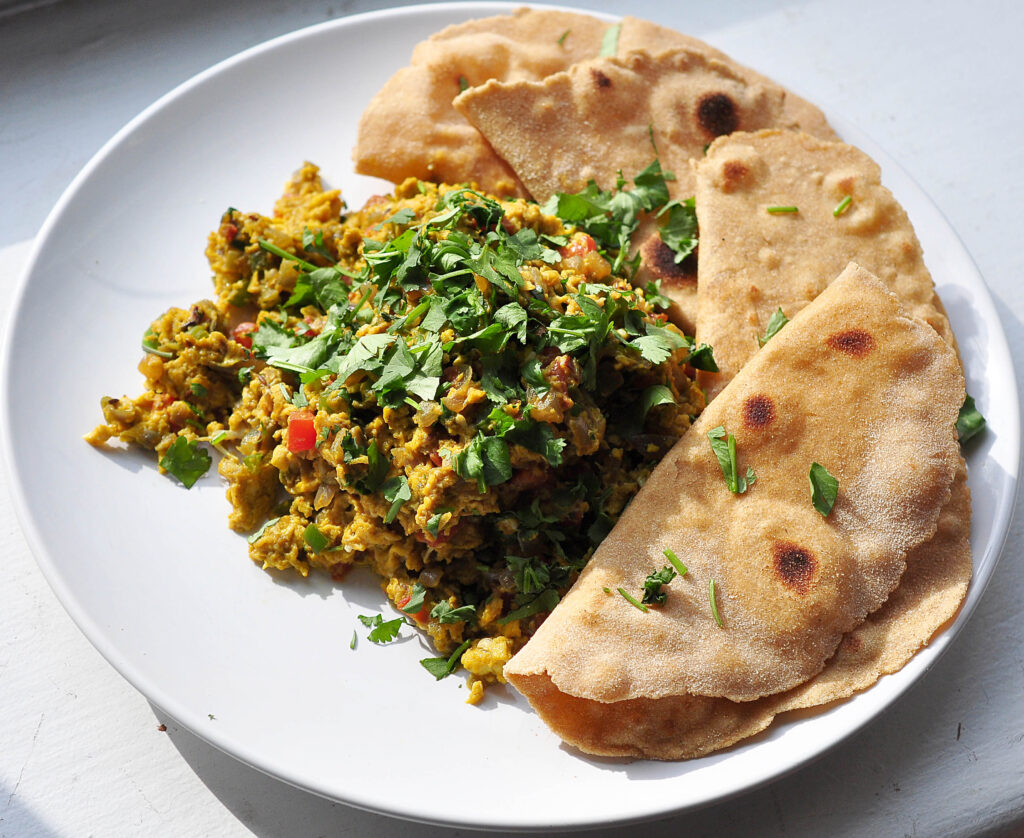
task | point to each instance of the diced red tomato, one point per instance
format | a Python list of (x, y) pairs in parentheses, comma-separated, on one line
[(579, 245), (229, 231), (301, 431), (242, 334)]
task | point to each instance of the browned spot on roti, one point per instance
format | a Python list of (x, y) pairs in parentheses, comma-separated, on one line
[(758, 411), (660, 260), (852, 642), (734, 174), (855, 342), (600, 79), (716, 114), (795, 566)]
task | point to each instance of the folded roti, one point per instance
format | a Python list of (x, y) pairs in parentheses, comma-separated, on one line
[(601, 116), (684, 727), (852, 383), (753, 262), (410, 128)]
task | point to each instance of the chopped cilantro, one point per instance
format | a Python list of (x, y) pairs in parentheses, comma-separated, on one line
[(653, 594), (610, 41), (563, 36), (382, 631), (654, 395), (485, 460), (775, 323), (402, 216), (415, 602), (463, 84), (256, 536), (714, 603), (679, 229), (150, 345), (970, 421), (444, 613), (443, 667), (198, 390), (824, 488), (703, 358), (632, 600), (543, 602), (186, 461), (724, 447), (678, 565), (396, 491)]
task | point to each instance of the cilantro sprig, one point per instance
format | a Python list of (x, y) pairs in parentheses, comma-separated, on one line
[(186, 460), (724, 447)]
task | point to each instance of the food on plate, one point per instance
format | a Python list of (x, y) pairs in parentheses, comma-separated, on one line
[(453, 390), (607, 115), (688, 726), (464, 389), (410, 128), (852, 397), (780, 214)]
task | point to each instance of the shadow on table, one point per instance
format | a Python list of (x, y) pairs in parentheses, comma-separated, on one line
[(18, 819)]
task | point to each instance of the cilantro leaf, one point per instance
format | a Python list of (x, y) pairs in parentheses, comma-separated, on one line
[(396, 491), (653, 594), (415, 602), (485, 460), (724, 447), (658, 344), (186, 461), (513, 317), (970, 421), (679, 229), (444, 613), (775, 323), (824, 488), (402, 216), (543, 602), (702, 358), (654, 395), (443, 667), (382, 631)]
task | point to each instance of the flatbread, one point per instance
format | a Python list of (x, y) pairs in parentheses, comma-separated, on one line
[(753, 262), (598, 117), (684, 727), (410, 128), (851, 383)]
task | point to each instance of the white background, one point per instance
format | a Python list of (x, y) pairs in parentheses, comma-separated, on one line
[(938, 85)]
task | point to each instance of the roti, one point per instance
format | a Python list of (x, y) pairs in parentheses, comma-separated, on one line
[(852, 383), (685, 727), (754, 261)]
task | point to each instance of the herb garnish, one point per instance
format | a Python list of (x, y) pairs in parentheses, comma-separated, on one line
[(632, 600), (382, 631), (563, 36), (186, 461), (824, 488), (724, 447), (775, 323), (610, 41), (415, 602), (842, 206), (314, 538), (678, 565), (714, 602), (781, 210), (443, 667), (970, 421), (653, 594)]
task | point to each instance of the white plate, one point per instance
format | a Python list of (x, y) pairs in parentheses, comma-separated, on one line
[(261, 667)]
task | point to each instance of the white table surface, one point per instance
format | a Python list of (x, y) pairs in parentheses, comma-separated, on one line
[(937, 84)]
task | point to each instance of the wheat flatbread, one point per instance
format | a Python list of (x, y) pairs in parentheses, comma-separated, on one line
[(753, 262), (684, 727), (852, 383), (410, 128)]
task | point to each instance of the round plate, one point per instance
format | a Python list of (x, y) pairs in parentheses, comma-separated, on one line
[(259, 665)]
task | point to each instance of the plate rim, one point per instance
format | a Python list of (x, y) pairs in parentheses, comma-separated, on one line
[(924, 660)]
